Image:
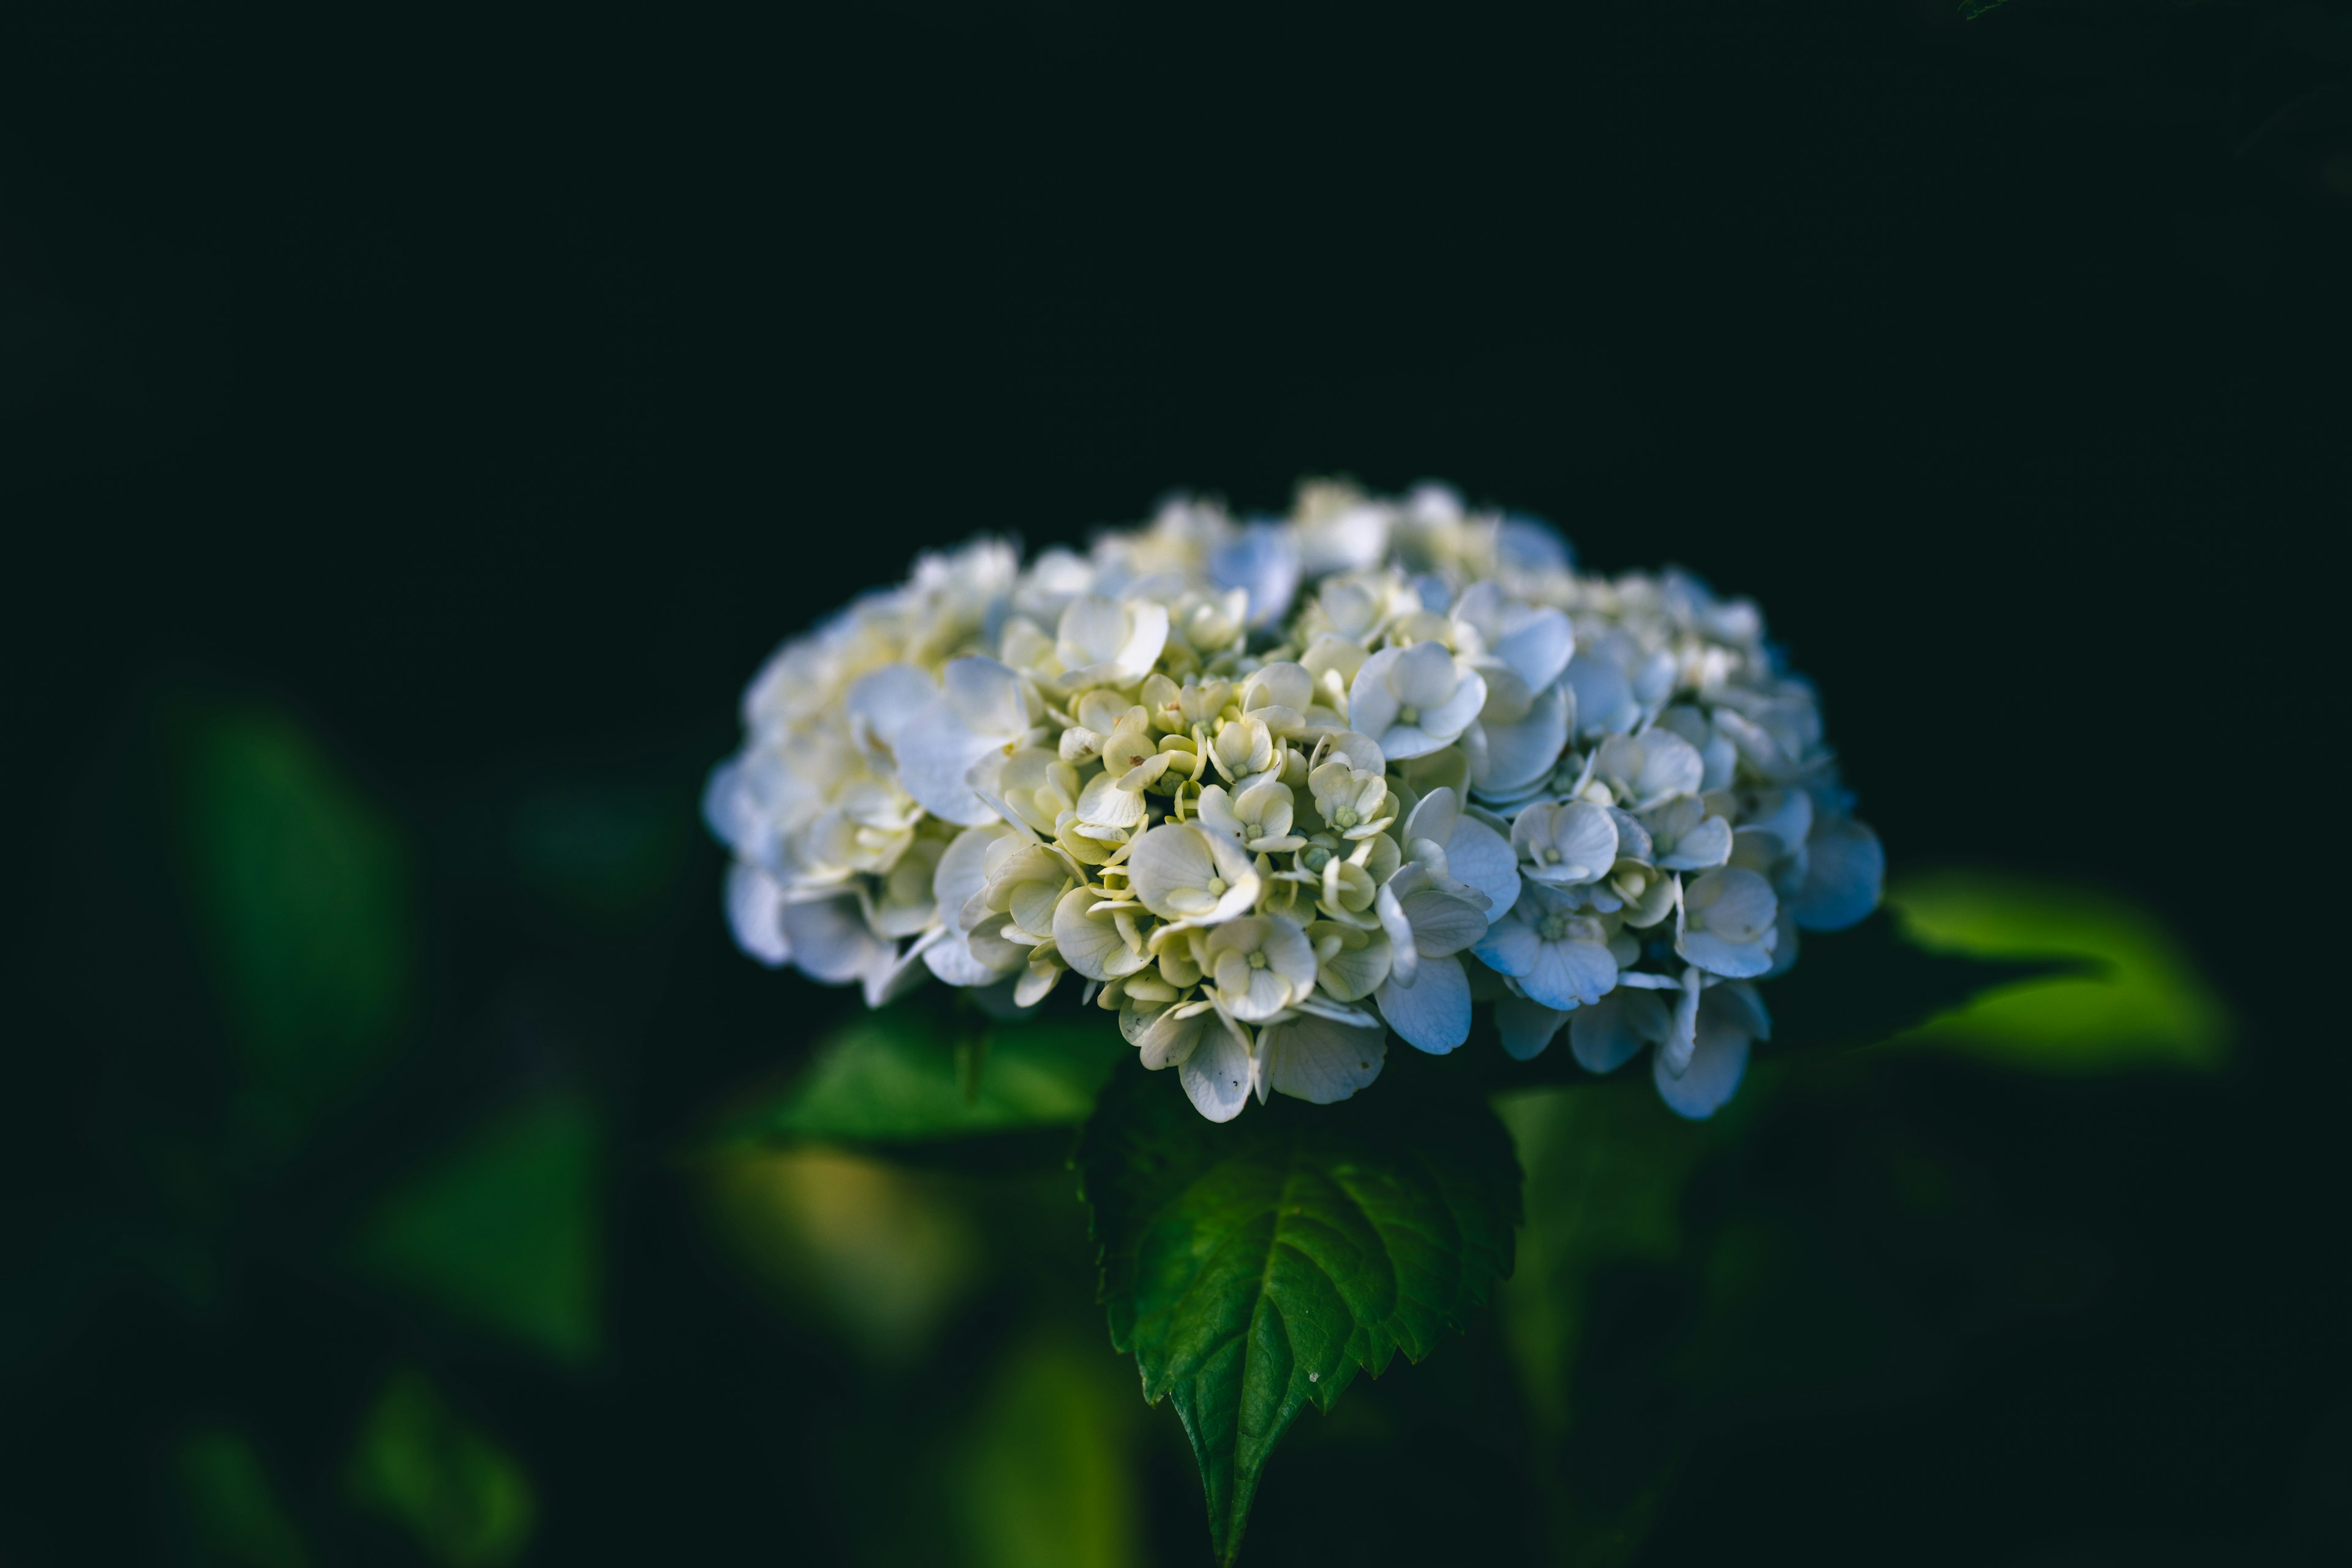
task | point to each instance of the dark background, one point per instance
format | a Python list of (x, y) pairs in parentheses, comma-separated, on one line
[(492, 393)]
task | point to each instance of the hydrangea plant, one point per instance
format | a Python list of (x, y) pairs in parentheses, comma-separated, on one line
[(1252, 796), (1274, 790)]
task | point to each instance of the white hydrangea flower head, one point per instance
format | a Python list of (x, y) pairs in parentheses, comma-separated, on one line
[(1275, 788)]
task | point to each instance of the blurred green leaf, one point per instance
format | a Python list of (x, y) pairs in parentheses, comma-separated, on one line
[(1044, 1478), (878, 1252), (1253, 1267), (504, 1230), (229, 1507), (300, 895), (461, 1497), (915, 1073), (1865, 986), (2137, 1000)]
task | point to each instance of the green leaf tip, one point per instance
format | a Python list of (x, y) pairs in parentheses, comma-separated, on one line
[(1254, 1267)]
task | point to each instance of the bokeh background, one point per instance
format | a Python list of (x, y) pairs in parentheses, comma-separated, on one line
[(414, 427)]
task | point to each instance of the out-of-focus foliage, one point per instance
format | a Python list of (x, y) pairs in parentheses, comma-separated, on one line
[(299, 893), (458, 1495), (876, 1252), (920, 1071), (1043, 1476), (229, 1509), (1253, 1267), (2138, 999), (502, 1230)]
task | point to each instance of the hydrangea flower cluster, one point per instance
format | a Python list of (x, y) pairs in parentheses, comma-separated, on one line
[(1272, 789)]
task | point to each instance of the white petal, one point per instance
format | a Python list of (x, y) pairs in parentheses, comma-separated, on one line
[(1173, 858), (882, 701), (985, 697), (1169, 1040), (951, 958), (1405, 958), (934, 754), (1425, 675), (1319, 1061), (1216, 1075), (830, 941), (963, 867), (1527, 1027), (1433, 1016), (1091, 944), (1147, 636), (1844, 868), (1371, 707), (1612, 1031), (755, 914)]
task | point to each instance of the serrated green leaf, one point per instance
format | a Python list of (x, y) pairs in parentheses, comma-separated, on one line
[(915, 1073), (1254, 1267)]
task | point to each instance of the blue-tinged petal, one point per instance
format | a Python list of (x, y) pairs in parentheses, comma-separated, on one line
[(1527, 1027), (1263, 558), (1520, 754), (1567, 974), (1433, 1014), (1509, 946), (1737, 960), (830, 941), (755, 906), (1844, 868), (1483, 859), (1612, 1031), (1716, 1064), (1538, 648)]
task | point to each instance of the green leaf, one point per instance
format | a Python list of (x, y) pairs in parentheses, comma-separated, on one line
[(300, 893), (916, 1072), (1863, 986), (2135, 1000), (503, 1231), (229, 1508), (419, 1463), (1253, 1267)]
